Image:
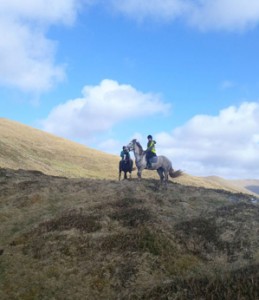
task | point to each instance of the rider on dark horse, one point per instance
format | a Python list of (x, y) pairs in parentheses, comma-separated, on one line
[(125, 155), (151, 150), (126, 163)]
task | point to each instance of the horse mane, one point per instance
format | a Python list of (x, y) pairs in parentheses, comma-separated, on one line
[(140, 147)]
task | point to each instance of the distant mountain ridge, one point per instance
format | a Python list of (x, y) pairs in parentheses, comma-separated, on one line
[(249, 184), (215, 182), (24, 147)]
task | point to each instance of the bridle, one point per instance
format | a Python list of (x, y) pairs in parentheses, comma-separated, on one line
[(131, 146)]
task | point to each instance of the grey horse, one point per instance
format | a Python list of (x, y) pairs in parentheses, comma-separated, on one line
[(163, 165)]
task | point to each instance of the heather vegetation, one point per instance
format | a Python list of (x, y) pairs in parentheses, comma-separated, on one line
[(65, 238)]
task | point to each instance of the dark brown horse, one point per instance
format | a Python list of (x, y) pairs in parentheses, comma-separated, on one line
[(125, 166)]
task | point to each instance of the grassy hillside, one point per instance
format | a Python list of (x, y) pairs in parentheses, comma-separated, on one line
[(101, 239), (214, 182), (249, 184), (28, 148), (23, 147)]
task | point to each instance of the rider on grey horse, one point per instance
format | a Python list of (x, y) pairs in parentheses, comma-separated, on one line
[(151, 150), (162, 164)]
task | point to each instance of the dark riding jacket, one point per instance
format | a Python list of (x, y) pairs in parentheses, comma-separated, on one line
[(125, 155)]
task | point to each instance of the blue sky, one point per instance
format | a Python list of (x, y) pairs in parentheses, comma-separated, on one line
[(103, 72)]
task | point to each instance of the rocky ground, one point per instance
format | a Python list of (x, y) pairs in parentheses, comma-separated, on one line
[(103, 239)]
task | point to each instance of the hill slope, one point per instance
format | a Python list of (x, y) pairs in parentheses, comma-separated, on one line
[(27, 148), (214, 182), (100, 239), (249, 184)]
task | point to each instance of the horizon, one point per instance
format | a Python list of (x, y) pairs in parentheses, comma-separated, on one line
[(102, 74)]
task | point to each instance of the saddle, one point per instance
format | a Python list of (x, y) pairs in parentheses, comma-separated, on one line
[(153, 160)]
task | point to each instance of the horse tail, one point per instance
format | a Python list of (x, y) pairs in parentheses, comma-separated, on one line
[(175, 174)]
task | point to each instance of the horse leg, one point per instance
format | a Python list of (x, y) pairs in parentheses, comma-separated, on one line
[(131, 167), (120, 169), (125, 175), (166, 178), (139, 174), (160, 173)]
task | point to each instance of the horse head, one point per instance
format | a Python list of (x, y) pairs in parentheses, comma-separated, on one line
[(135, 146), (131, 145)]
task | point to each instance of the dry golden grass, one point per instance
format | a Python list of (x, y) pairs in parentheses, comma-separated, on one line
[(213, 182), (23, 147), (103, 239), (250, 184)]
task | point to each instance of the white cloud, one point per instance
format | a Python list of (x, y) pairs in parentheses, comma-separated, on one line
[(27, 56), (224, 145), (157, 9), (225, 14), (100, 108), (227, 84), (203, 14), (47, 11), (115, 146)]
